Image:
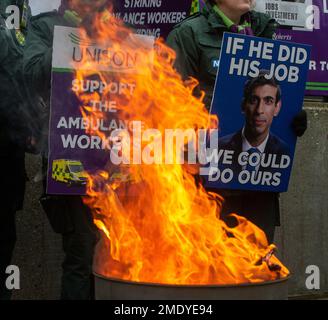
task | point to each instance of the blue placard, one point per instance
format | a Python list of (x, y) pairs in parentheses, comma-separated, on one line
[(259, 90)]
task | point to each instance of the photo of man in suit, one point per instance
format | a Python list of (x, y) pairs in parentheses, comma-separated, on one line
[(260, 105)]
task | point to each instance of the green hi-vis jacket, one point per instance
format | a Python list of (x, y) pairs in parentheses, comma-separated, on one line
[(197, 43), (37, 68), (38, 51), (12, 124), (14, 128)]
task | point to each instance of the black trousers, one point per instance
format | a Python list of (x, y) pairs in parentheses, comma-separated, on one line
[(71, 218), (78, 245)]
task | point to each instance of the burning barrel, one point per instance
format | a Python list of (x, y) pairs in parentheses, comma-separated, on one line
[(113, 289)]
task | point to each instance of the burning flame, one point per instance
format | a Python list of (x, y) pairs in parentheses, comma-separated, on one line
[(159, 225)]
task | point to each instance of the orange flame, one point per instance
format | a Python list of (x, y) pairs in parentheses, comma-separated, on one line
[(159, 224)]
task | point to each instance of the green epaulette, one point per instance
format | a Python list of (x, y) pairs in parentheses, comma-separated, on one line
[(191, 17)]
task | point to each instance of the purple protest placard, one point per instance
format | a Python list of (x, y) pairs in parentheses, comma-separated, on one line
[(75, 148)]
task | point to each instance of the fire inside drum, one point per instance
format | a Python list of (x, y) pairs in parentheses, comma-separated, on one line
[(113, 289), (140, 227)]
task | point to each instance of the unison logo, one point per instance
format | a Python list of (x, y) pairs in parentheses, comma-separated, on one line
[(77, 40), (85, 51)]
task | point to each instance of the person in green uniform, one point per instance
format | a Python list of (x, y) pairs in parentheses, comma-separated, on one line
[(197, 42), (14, 133), (67, 214)]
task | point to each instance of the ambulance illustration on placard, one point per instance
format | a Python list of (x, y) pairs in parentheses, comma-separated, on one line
[(70, 172)]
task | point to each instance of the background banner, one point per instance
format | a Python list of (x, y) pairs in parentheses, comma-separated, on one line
[(287, 13), (148, 17), (253, 115), (155, 18), (317, 82)]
